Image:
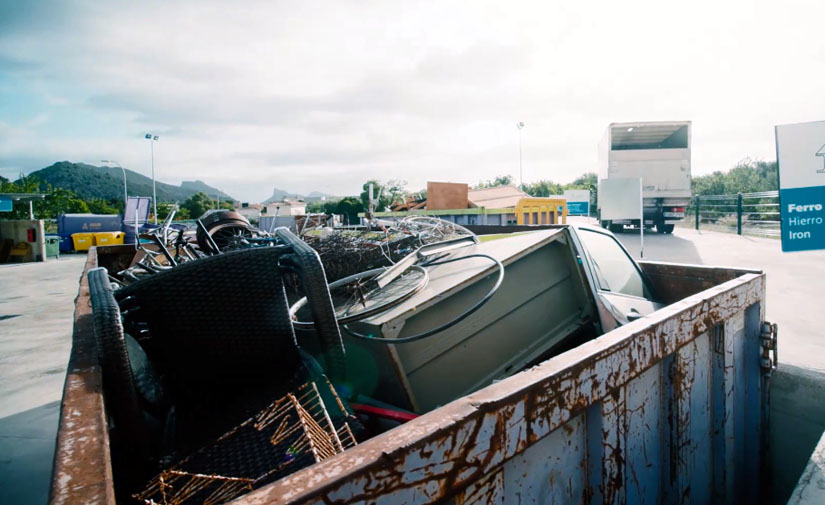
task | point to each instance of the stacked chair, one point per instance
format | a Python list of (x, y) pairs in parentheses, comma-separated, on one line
[(206, 389)]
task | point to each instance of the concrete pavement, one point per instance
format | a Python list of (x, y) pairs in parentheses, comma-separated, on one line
[(36, 308)]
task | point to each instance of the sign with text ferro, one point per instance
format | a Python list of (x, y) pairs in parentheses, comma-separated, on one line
[(800, 154)]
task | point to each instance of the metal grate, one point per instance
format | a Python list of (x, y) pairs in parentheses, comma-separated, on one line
[(293, 432)]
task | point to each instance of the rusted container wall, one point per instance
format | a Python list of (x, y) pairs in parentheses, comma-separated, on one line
[(82, 471), (674, 281), (667, 409)]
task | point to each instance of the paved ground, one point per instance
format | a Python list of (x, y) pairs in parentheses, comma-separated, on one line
[(36, 307), (795, 281)]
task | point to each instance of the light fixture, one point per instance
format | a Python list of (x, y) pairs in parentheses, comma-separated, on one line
[(125, 197), (152, 138)]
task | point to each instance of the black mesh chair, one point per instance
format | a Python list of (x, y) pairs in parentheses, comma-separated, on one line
[(215, 342)]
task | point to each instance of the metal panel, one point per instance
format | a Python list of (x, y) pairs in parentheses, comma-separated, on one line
[(629, 417), (645, 416), (541, 474)]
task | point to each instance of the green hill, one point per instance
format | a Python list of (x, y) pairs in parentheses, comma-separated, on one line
[(90, 181)]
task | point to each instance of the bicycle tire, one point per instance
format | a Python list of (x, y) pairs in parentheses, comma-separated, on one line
[(377, 309)]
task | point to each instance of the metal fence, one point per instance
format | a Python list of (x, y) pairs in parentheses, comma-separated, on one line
[(744, 213)]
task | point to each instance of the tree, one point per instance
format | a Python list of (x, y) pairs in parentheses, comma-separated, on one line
[(500, 180), (349, 207), (198, 204), (101, 206), (584, 181), (748, 176), (387, 193), (542, 188), (165, 208), (315, 207)]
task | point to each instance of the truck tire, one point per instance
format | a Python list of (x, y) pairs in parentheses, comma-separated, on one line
[(663, 228), (616, 228), (605, 224)]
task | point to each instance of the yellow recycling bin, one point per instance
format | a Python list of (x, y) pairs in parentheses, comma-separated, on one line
[(537, 211), (83, 241), (109, 237)]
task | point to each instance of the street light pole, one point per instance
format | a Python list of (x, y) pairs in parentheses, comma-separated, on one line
[(125, 197), (152, 139), (520, 125)]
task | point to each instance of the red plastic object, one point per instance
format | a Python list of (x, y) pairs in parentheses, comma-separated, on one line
[(395, 415)]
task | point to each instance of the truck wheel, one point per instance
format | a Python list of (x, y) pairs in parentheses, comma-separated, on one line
[(616, 228), (668, 228), (605, 224)]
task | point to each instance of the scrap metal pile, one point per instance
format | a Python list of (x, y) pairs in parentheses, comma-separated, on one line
[(209, 390), (343, 252)]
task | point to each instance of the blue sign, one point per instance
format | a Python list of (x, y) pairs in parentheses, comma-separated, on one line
[(801, 161), (803, 218), (5, 204), (581, 208)]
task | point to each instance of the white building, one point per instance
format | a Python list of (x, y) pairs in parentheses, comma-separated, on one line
[(286, 208)]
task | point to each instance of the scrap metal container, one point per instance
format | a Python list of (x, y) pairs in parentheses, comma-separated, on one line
[(69, 224), (109, 238), (669, 408), (83, 241)]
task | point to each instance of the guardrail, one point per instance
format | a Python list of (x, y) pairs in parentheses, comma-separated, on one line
[(746, 213)]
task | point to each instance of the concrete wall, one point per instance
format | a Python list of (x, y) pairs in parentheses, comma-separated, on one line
[(16, 230), (446, 195), (797, 423)]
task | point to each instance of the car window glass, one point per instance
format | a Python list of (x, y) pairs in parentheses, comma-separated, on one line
[(614, 269)]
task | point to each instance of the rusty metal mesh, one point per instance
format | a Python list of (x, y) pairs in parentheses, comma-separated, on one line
[(293, 432)]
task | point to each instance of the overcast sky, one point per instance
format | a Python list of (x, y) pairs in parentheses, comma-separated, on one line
[(321, 96)]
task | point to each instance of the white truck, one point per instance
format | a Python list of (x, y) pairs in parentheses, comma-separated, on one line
[(658, 153)]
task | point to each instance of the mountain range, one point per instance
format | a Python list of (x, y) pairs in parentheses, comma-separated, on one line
[(278, 195), (106, 182)]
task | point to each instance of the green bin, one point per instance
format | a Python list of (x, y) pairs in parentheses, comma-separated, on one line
[(52, 246)]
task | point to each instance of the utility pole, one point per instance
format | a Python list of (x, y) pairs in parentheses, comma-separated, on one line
[(520, 125), (152, 139)]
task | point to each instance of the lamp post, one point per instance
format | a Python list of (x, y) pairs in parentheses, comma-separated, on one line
[(152, 138), (124, 181), (520, 125)]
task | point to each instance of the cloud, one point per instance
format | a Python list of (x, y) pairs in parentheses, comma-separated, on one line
[(321, 95)]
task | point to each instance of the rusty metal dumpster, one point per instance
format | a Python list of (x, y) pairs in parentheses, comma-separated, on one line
[(669, 408)]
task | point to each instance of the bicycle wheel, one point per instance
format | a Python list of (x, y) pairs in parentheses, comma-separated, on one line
[(359, 296)]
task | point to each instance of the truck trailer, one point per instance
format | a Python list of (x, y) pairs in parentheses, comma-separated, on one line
[(658, 153)]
